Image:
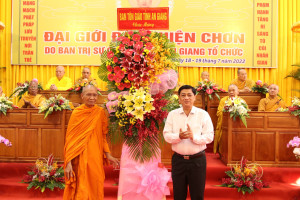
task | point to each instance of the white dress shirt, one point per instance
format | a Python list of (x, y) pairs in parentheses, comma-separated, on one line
[(200, 124)]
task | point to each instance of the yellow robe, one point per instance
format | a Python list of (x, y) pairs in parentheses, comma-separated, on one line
[(242, 84), (271, 105), (218, 132), (85, 146), (62, 84), (90, 79), (37, 100)]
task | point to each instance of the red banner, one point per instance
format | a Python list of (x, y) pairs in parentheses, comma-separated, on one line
[(143, 18)]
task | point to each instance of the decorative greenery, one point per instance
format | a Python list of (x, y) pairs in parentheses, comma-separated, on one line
[(209, 88), (5, 104), (260, 87), (237, 107), (295, 74), (56, 103), (22, 88), (45, 175), (245, 177)]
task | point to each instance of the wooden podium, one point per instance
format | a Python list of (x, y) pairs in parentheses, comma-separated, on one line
[(251, 98), (263, 142)]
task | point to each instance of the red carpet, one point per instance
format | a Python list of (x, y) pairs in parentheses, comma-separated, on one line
[(281, 180)]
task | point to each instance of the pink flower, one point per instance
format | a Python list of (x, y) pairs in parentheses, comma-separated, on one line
[(130, 32), (149, 45), (112, 106), (126, 41), (136, 37), (110, 54), (128, 52), (143, 32), (112, 96), (122, 47), (138, 45), (259, 82), (121, 38), (295, 142), (209, 91)]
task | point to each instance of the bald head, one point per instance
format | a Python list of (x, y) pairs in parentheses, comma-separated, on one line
[(233, 90), (86, 73), (89, 95), (205, 75), (273, 90), (242, 74), (33, 88), (60, 72)]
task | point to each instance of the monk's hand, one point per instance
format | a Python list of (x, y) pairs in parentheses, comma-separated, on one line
[(183, 134), (246, 89), (115, 162), (69, 170), (189, 132), (53, 87)]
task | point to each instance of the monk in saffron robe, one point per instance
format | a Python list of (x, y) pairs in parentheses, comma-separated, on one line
[(86, 149), (33, 99), (205, 76), (86, 74), (59, 82), (233, 92), (243, 84), (273, 102)]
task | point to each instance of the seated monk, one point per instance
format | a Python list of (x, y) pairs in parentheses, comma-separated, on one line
[(86, 149), (273, 102), (33, 99), (243, 84), (232, 92), (59, 82), (86, 74), (205, 75)]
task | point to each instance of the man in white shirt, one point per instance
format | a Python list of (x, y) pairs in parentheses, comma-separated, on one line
[(188, 129)]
